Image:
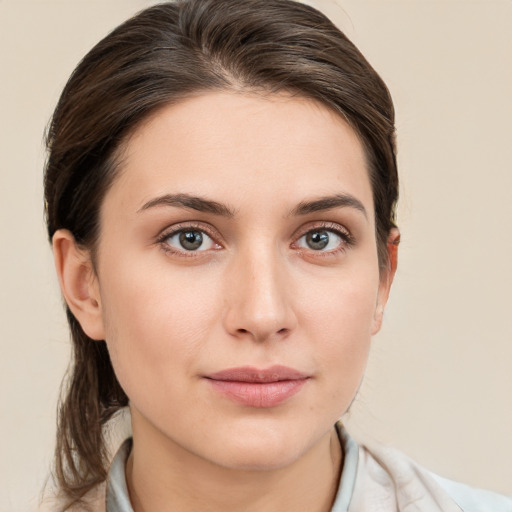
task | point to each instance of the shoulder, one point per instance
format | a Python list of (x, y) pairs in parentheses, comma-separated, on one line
[(473, 499), (385, 472), (377, 478)]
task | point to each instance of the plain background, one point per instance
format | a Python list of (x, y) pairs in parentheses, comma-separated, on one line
[(439, 381)]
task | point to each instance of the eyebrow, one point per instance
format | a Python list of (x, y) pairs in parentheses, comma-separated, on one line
[(329, 203), (197, 203), (201, 204)]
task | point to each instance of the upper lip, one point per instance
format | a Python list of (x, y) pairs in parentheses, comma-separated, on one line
[(250, 374)]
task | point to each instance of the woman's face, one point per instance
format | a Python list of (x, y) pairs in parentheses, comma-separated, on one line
[(237, 276)]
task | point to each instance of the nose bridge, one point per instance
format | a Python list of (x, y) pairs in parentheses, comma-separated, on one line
[(259, 304)]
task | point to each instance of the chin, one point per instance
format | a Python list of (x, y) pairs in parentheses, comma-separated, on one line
[(260, 450), (258, 460)]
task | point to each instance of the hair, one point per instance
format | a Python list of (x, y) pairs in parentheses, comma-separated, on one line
[(161, 56)]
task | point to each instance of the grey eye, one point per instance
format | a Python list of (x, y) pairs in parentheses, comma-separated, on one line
[(317, 240), (190, 240), (321, 240)]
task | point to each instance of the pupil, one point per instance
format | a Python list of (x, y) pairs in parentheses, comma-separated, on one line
[(191, 240), (317, 239)]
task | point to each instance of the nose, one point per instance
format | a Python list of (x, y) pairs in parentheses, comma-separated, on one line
[(259, 297)]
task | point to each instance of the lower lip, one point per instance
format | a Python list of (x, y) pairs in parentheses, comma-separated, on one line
[(258, 394)]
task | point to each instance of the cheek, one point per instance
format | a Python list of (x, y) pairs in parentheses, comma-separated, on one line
[(343, 307), (155, 323), (340, 319)]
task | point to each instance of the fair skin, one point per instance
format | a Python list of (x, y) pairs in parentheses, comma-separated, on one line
[(266, 275)]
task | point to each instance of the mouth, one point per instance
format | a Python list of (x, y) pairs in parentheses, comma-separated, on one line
[(259, 388)]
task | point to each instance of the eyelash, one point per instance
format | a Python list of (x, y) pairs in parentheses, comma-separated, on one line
[(337, 229)]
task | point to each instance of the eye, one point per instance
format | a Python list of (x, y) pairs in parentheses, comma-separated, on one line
[(189, 240), (324, 240)]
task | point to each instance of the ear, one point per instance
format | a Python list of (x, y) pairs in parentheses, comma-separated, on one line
[(78, 283), (386, 279)]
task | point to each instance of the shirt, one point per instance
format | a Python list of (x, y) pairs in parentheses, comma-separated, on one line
[(377, 479)]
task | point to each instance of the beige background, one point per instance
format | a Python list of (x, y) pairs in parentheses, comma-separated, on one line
[(439, 383)]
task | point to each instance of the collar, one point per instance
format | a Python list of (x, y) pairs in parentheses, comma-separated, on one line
[(118, 500)]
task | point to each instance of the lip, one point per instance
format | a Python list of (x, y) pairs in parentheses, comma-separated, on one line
[(259, 388)]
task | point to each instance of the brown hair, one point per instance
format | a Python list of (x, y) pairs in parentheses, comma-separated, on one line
[(164, 54)]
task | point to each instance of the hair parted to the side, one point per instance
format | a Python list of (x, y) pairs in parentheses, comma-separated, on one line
[(164, 54)]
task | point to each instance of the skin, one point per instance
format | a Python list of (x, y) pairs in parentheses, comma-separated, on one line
[(254, 294)]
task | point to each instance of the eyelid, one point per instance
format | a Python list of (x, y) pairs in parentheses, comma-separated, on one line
[(327, 226)]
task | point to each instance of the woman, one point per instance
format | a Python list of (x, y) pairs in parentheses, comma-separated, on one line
[(220, 192)]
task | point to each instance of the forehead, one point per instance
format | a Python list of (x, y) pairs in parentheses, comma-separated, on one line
[(240, 146)]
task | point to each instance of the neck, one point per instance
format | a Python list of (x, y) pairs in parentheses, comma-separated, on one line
[(161, 480)]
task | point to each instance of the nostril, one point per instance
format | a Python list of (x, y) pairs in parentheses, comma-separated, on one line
[(280, 332)]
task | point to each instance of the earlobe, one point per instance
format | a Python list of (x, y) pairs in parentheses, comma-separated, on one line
[(386, 278), (78, 283)]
